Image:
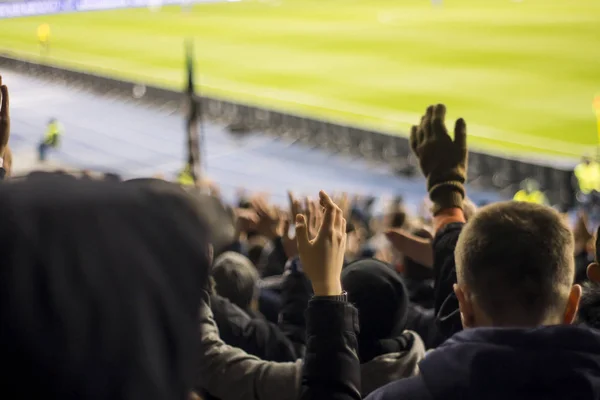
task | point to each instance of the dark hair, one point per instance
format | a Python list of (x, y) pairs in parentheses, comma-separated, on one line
[(397, 219), (236, 278), (517, 260), (589, 306)]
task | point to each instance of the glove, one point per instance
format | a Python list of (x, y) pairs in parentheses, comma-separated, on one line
[(442, 160)]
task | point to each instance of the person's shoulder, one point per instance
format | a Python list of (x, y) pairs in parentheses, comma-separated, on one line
[(410, 388)]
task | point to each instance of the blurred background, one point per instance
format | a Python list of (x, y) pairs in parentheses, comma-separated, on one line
[(307, 94)]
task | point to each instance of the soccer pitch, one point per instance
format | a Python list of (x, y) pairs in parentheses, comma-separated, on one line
[(523, 74)]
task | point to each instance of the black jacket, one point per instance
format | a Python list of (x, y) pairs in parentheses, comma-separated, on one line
[(444, 269), (295, 294), (547, 363), (331, 369), (423, 322), (256, 336)]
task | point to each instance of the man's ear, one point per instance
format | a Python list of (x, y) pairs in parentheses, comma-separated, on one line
[(465, 306), (593, 272), (573, 303)]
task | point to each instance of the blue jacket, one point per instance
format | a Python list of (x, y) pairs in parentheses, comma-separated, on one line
[(555, 362)]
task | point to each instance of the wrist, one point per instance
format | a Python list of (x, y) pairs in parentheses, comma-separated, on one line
[(328, 288), (447, 195)]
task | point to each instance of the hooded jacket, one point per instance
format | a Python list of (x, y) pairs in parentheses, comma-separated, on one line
[(386, 351), (546, 363), (99, 288), (229, 373)]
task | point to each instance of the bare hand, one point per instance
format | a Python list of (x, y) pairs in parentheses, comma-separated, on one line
[(269, 218), (314, 216), (290, 245), (4, 118), (322, 257), (246, 220), (581, 232)]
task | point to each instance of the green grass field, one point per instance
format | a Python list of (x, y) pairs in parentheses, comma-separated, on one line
[(523, 74)]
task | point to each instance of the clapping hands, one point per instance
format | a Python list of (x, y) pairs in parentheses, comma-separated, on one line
[(322, 252)]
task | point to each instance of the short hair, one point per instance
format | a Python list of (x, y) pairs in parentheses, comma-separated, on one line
[(236, 278), (517, 260)]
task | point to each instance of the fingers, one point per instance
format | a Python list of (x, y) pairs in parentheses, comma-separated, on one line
[(329, 214), (308, 213), (439, 112), (294, 204), (302, 233), (4, 117), (286, 228), (4, 105), (460, 134), (438, 123), (426, 125), (259, 205), (414, 139)]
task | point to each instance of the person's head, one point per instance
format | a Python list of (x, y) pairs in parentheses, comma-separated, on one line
[(51, 121), (236, 279), (586, 160), (530, 185), (380, 297), (100, 286), (515, 268)]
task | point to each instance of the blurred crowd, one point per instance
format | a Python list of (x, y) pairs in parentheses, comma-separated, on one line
[(148, 289)]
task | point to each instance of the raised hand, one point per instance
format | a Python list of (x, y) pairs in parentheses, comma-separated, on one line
[(442, 160), (322, 256), (4, 118), (269, 221), (314, 216), (246, 220), (290, 245), (581, 232)]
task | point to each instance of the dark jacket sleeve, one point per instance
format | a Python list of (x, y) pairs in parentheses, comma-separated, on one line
[(331, 369), (423, 322), (256, 336), (410, 389), (295, 294), (444, 269)]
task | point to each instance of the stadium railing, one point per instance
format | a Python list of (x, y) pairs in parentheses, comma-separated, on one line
[(486, 171)]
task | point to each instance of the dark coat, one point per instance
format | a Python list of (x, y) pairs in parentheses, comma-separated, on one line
[(547, 363), (256, 336)]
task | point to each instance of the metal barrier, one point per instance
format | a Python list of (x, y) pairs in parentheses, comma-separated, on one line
[(486, 171)]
